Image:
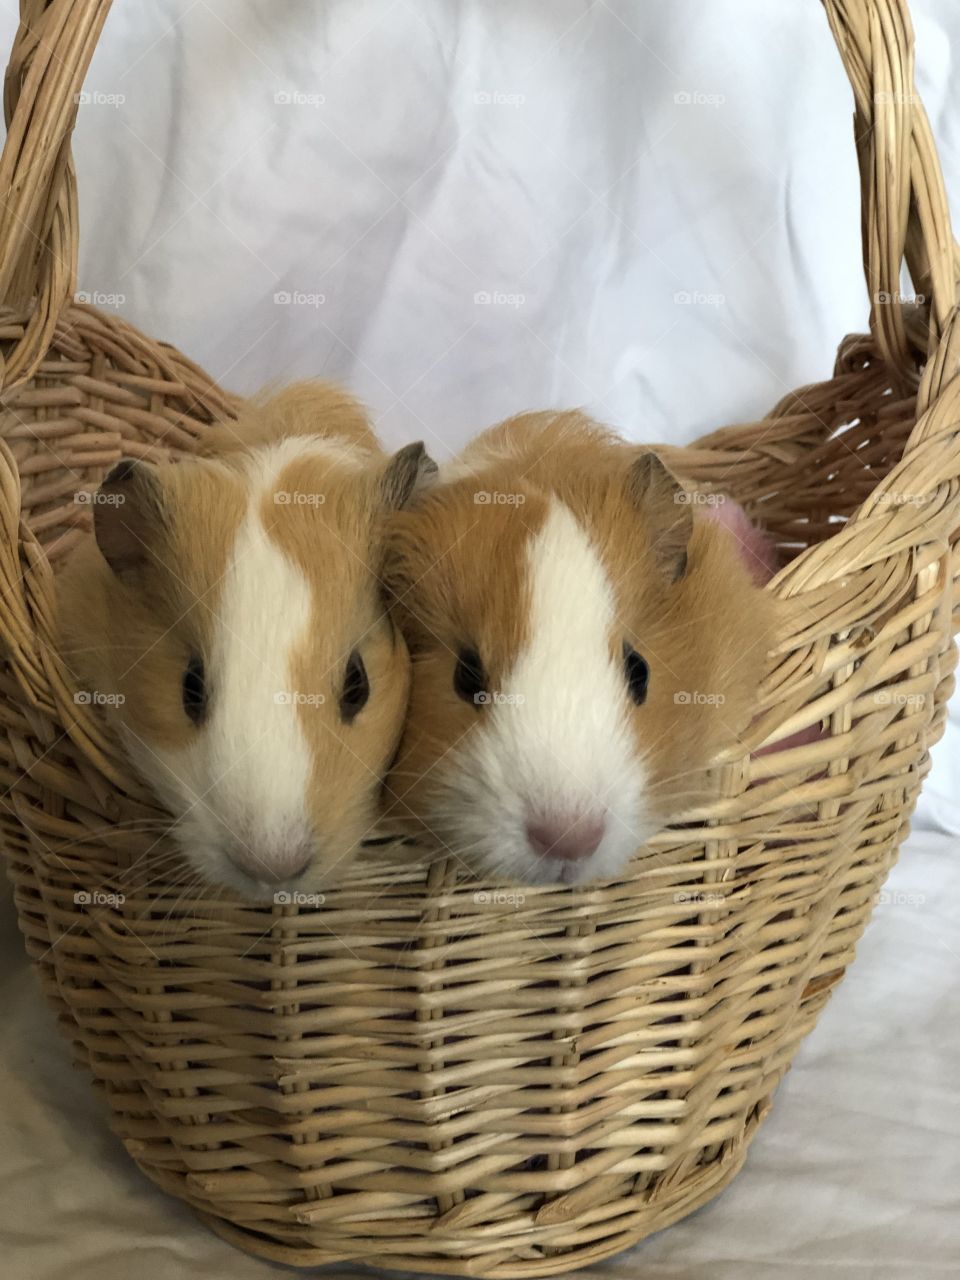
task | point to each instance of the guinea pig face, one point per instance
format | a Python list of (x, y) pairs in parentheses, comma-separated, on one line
[(580, 656), (262, 684)]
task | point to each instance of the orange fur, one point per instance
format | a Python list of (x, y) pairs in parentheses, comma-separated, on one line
[(458, 575), (129, 633)]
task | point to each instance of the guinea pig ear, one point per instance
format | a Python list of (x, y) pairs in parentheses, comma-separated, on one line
[(659, 496), (410, 470), (127, 514)]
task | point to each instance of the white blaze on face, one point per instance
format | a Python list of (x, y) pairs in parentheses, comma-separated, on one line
[(242, 784), (556, 741), (258, 751)]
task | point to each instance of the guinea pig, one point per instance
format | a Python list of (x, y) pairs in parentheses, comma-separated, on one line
[(228, 613), (584, 644)]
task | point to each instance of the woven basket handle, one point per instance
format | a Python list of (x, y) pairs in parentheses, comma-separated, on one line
[(904, 213), (904, 210), (38, 215)]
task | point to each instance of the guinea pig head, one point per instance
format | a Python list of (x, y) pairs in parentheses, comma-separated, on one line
[(582, 651), (230, 615)]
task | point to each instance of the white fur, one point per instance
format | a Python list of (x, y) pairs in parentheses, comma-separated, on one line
[(566, 748), (242, 783)]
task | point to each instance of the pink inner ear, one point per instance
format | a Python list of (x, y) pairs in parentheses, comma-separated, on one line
[(757, 549), (759, 554)]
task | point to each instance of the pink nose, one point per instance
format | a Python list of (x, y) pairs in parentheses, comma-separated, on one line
[(271, 866), (570, 839)]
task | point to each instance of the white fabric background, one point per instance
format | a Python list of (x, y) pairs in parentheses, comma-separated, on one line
[(427, 153)]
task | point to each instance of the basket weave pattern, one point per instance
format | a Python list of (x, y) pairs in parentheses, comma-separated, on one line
[(426, 1071)]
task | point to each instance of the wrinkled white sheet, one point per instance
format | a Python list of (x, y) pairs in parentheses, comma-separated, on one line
[(385, 165)]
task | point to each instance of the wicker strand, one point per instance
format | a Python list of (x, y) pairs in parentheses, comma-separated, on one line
[(426, 1073)]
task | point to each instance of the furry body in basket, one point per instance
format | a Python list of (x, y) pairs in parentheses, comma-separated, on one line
[(449, 1082), (585, 644), (227, 613)]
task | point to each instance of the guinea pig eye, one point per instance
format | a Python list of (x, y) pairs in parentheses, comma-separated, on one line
[(356, 688), (637, 674), (469, 677), (193, 690)]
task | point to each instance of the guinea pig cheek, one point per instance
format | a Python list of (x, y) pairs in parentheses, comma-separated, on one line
[(349, 755)]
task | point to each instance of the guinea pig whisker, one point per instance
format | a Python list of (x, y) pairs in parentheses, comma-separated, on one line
[(193, 882), (186, 872), (157, 872), (97, 834), (676, 777)]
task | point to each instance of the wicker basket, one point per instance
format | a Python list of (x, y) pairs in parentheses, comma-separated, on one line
[(421, 1073)]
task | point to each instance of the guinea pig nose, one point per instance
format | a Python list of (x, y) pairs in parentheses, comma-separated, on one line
[(567, 838), (272, 867)]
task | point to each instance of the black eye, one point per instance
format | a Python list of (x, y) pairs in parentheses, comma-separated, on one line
[(469, 678), (193, 690), (356, 688), (637, 674)]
